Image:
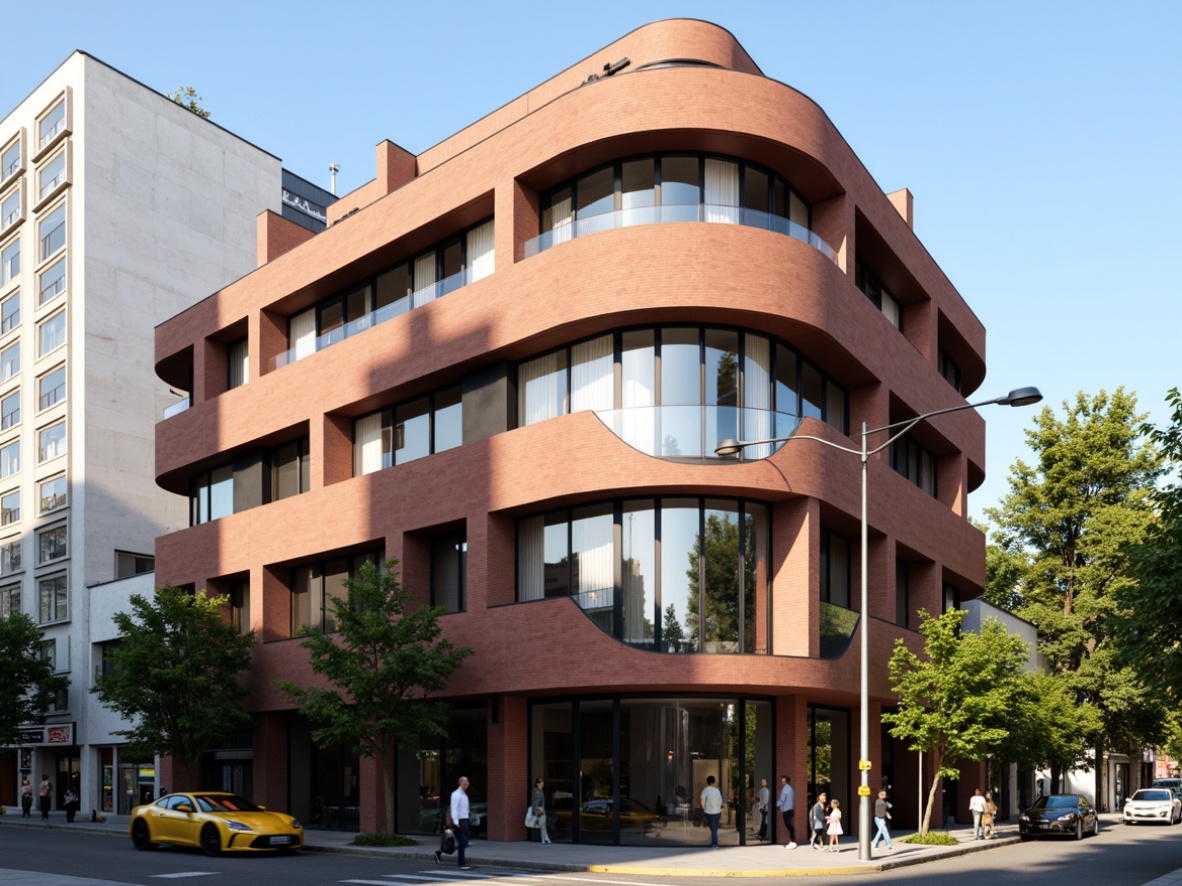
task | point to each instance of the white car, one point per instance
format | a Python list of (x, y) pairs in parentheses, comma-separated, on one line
[(1154, 805)]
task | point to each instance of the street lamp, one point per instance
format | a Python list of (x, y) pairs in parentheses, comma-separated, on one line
[(729, 448)]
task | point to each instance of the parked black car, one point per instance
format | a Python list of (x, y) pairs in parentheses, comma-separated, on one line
[(1064, 815)]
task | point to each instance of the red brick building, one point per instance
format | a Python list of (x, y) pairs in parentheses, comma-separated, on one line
[(507, 363)]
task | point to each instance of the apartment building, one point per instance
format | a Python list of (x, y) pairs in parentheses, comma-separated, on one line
[(119, 209), (507, 363)]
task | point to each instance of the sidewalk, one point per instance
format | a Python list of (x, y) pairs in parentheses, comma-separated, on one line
[(766, 860)]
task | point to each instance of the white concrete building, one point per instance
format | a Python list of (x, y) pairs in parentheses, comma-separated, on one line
[(118, 209)]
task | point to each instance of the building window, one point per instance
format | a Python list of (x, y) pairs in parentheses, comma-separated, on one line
[(951, 597), (52, 599), (10, 161), (51, 333), (948, 369), (240, 605), (10, 507), (53, 282), (409, 431), (10, 459), (51, 388), (52, 233), (677, 574), (10, 361), (213, 495), (10, 410), (51, 544), (107, 656), (867, 281), (10, 313), (10, 557), (10, 600), (449, 556), (902, 594), (10, 261), (314, 586), (128, 564), (10, 209), (915, 463), (835, 568), (290, 469), (52, 493), (439, 270), (51, 442), (51, 124), (238, 356), (52, 174)]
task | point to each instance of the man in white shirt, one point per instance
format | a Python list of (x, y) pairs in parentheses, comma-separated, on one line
[(459, 818), (712, 809), (977, 807), (787, 805)]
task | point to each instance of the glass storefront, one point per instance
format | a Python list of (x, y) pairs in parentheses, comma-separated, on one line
[(428, 769), (829, 759), (324, 787), (630, 771)]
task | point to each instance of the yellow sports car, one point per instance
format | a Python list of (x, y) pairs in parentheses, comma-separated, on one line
[(215, 822)]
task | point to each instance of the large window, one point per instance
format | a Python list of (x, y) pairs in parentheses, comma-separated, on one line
[(10, 260), (10, 410), (867, 281), (10, 600), (51, 387), (238, 358), (10, 313), (671, 575), (10, 160), (53, 282), (673, 188), (835, 568), (240, 605), (439, 270), (52, 544), (291, 472), (52, 233), (51, 124), (128, 564), (10, 507), (314, 586), (408, 431), (449, 555), (52, 493), (948, 369), (213, 495), (678, 391), (51, 333), (10, 361), (10, 208), (10, 556), (10, 459), (915, 463), (51, 442), (52, 174), (52, 599)]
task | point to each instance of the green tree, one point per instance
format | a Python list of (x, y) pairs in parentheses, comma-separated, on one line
[(28, 684), (956, 700), (672, 635), (723, 604), (175, 676), (384, 662), (188, 99), (1071, 516), (1048, 730)]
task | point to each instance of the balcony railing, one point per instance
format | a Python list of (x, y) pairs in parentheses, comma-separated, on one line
[(178, 407), (689, 212), (51, 396), (388, 312), (692, 433)]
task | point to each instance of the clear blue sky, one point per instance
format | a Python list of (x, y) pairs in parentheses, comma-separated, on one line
[(1042, 140)]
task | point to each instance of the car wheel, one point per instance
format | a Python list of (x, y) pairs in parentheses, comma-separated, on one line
[(141, 839), (1096, 826), (211, 843), (1079, 829), (1025, 838)]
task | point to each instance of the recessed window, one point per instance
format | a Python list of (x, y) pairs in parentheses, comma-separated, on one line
[(409, 431), (948, 369), (51, 544), (10, 161), (51, 124), (10, 557), (52, 599), (902, 594), (10, 361), (10, 410), (915, 463), (449, 555), (240, 605), (10, 209), (10, 261), (51, 233), (51, 333), (51, 387), (835, 568), (52, 493), (10, 313), (10, 507), (128, 564), (52, 174), (10, 459), (867, 281), (213, 495), (314, 586), (238, 357), (53, 282), (10, 600), (51, 442), (290, 469)]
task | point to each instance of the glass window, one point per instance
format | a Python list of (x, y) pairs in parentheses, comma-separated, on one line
[(314, 586), (592, 563), (10, 160), (52, 232), (10, 600), (902, 594), (680, 187), (681, 385), (51, 544), (10, 260), (52, 174), (638, 574), (722, 619), (52, 493), (128, 564), (680, 574), (638, 192), (238, 357), (10, 209), (722, 387), (51, 442), (53, 282), (221, 492), (10, 507), (290, 469), (52, 598), (10, 459), (541, 387), (558, 210), (10, 313), (835, 568), (393, 291), (10, 410), (240, 605), (595, 196), (449, 419), (51, 124), (10, 558), (51, 387), (449, 554), (756, 196), (51, 333), (812, 390), (556, 555), (412, 431)]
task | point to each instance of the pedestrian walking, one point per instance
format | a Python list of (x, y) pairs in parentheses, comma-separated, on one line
[(44, 795), (537, 811), (762, 804), (817, 822), (834, 830), (459, 811), (787, 807), (990, 816), (26, 797), (977, 808), (71, 804), (882, 815), (711, 802)]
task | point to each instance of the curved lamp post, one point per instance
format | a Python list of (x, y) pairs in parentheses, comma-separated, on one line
[(731, 448)]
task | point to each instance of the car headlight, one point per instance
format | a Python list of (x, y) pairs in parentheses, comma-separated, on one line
[(237, 825), (1023, 817), (296, 825), (1070, 816)]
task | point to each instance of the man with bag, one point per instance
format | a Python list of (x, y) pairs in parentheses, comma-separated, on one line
[(458, 826)]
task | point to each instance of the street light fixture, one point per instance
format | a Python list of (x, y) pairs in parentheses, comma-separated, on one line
[(730, 448)]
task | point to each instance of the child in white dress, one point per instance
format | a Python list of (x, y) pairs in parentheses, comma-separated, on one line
[(834, 830)]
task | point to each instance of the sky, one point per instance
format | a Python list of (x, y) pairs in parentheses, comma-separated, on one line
[(1040, 138)]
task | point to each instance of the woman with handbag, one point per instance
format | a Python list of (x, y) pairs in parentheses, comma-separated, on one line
[(535, 816)]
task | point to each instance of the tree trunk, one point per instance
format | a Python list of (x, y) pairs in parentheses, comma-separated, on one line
[(1056, 775), (388, 785), (1100, 804), (927, 813)]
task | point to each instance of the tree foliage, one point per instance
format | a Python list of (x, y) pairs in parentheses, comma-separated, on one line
[(955, 702), (28, 684), (176, 675), (1048, 729), (188, 99), (383, 663)]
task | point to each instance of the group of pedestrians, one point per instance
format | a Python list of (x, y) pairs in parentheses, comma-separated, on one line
[(984, 812), (45, 799)]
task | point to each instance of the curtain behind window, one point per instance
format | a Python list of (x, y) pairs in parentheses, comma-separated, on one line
[(722, 191), (531, 559), (592, 375), (302, 334), (480, 252), (367, 444)]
